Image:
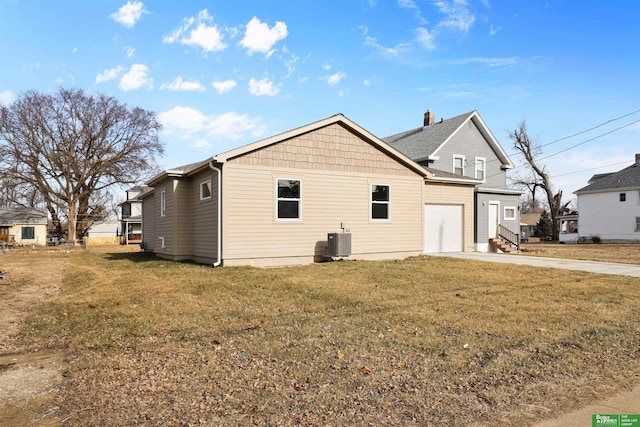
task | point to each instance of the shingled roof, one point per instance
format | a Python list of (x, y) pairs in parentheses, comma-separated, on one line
[(421, 143), (12, 216), (625, 179)]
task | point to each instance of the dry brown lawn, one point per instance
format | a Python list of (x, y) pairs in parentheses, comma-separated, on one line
[(424, 341), (622, 253)]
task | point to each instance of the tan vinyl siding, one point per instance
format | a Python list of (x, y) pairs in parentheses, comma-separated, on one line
[(149, 212), (331, 148), (449, 194), (182, 211), (328, 199), (203, 219), (164, 224)]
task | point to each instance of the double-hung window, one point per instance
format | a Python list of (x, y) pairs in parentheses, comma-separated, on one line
[(205, 190), (481, 168), (289, 198), (623, 197), (458, 165), (379, 201)]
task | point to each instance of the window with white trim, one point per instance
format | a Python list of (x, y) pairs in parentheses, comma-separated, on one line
[(205, 190), (458, 165), (509, 212), (481, 168), (623, 197), (163, 203), (379, 202), (288, 199)]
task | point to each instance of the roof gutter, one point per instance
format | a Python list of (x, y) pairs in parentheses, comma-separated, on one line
[(219, 172)]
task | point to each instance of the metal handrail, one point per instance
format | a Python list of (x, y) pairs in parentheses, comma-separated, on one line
[(509, 236)]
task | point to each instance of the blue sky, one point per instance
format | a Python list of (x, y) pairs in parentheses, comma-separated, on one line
[(224, 73)]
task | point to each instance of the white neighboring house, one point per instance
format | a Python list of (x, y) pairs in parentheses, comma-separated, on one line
[(107, 228), (609, 207)]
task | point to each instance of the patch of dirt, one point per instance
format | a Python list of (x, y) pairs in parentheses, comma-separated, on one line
[(28, 379)]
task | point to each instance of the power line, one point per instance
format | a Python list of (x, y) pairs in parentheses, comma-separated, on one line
[(589, 140), (590, 169), (590, 129)]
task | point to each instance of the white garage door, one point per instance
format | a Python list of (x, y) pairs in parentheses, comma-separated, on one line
[(442, 228)]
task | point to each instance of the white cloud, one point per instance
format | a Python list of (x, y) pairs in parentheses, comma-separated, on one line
[(386, 51), (136, 77), (493, 30), (258, 37), (224, 86), (263, 87), (7, 98), (74, 50), (458, 16), (326, 66), (129, 14), (130, 51), (367, 82), (335, 78), (194, 31), (425, 38), (179, 84), (409, 4), (203, 131), (109, 74)]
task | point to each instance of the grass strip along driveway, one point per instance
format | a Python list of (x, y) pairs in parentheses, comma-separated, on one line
[(424, 341)]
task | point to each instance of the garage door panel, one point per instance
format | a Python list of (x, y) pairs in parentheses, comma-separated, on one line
[(443, 228)]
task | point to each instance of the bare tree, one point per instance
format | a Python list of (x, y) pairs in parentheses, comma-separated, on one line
[(523, 144), (71, 147), (529, 203)]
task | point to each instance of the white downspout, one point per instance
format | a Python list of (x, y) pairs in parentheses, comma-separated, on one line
[(219, 261)]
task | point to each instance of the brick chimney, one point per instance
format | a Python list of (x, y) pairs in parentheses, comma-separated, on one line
[(637, 159), (428, 118)]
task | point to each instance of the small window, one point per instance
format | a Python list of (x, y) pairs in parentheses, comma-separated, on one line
[(458, 165), (28, 233), (509, 212), (205, 190), (481, 167), (638, 223), (623, 197), (379, 201), (288, 198), (163, 203)]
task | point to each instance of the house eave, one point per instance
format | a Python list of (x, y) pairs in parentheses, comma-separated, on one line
[(506, 191), (607, 190)]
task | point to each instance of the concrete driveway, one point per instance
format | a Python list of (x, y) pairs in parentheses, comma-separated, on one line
[(632, 270)]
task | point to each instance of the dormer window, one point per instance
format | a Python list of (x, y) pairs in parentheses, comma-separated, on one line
[(458, 165)]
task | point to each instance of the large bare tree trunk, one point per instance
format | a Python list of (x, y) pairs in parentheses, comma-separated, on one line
[(530, 150)]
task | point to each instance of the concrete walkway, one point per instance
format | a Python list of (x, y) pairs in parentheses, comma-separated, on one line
[(567, 264), (628, 402)]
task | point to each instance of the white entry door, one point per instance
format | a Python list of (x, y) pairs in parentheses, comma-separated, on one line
[(494, 218), (443, 228)]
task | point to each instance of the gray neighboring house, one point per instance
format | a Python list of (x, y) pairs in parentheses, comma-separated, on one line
[(464, 147), (609, 207)]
